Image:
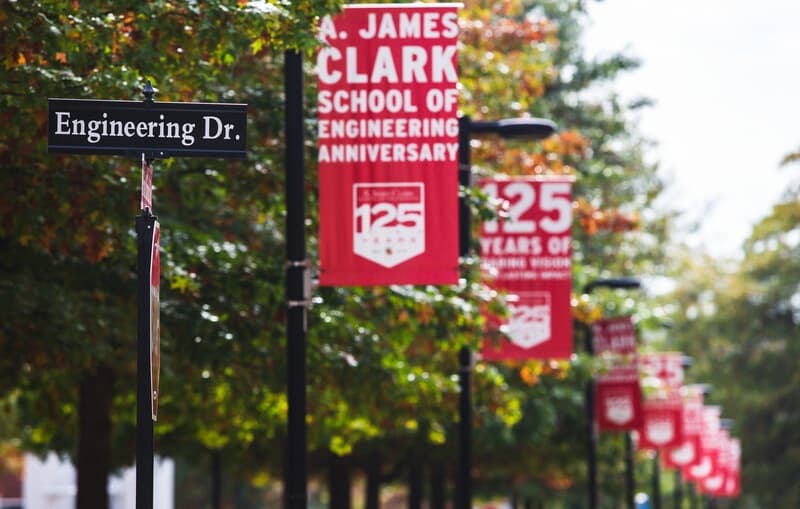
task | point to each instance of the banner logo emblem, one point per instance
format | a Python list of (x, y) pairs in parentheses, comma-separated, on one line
[(530, 319), (619, 409), (683, 455), (660, 431), (389, 222)]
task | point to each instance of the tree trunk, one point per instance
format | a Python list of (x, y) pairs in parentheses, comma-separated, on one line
[(94, 438), (414, 485), (437, 486), (373, 484), (339, 482)]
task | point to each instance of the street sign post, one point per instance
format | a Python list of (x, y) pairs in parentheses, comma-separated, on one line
[(149, 130), (146, 227)]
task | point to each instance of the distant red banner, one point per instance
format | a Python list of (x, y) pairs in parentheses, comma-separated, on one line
[(619, 405), (528, 254), (663, 420), (664, 366), (732, 485), (688, 452), (618, 337), (724, 478), (618, 394), (388, 145), (710, 445), (662, 424), (715, 483), (715, 465)]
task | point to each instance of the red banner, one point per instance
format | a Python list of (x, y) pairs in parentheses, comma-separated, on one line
[(715, 484), (662, 424), (667, 367), (619, 406), (528, 254), (388, 145), (710, 445), (733, 483), (688, 453), (618, 394), (618, 337)]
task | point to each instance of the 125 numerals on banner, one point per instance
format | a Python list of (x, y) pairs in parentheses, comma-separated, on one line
[(547, 216)]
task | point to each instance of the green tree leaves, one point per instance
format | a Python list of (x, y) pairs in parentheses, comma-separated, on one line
[(739, 321)]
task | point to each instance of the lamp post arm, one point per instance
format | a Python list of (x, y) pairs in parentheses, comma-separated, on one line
[(628, 283), (523, 127)]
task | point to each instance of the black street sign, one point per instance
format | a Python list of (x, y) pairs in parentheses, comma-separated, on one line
[(160, 129)]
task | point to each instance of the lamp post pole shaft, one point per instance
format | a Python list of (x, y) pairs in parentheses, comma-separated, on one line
[(295, 473), (591, 430), (630, 502), (591, 425), (465, 429), (464, 181), (656, 482), (516, 128), (464, 483)]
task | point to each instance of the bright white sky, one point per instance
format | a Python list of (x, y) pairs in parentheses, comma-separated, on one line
[(725, 75)]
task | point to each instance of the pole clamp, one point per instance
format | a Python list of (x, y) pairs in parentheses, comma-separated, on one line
[(306, 301)]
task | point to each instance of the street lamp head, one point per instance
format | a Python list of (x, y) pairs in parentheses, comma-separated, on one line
[(626, 283), (528, 128), (705, 389)]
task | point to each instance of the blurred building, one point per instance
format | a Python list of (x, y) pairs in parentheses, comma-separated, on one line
[(51, 484)]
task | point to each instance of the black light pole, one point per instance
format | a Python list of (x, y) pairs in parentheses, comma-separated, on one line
[(692, 497), (693, 501), (524, 128), (656, 481), (591, 428), (464, 481), (295, 476), (630, 501), (686, 362), (678, 489)]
